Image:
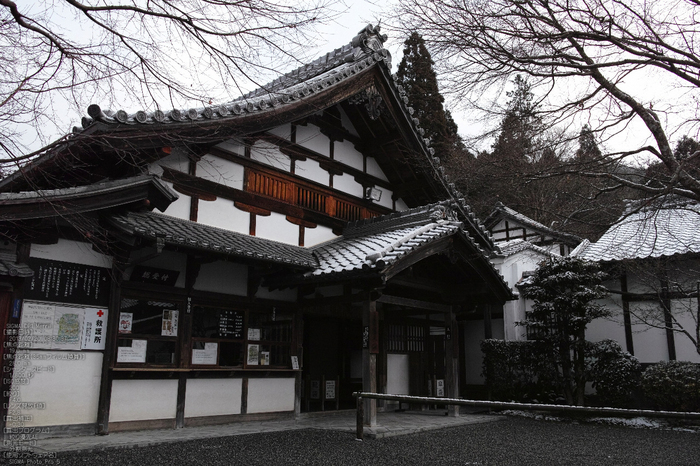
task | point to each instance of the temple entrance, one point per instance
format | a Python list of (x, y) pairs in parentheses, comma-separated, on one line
[(332, 363)]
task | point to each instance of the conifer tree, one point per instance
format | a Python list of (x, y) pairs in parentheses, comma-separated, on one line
[(417, 76)]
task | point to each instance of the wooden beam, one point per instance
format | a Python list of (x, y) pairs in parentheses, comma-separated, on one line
[(414, 303), (369, 362)]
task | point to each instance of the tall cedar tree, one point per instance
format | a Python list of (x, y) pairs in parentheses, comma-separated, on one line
[(417, 76), (564, 293)]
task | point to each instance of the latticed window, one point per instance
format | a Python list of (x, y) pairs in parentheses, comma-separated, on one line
[(406, 338)]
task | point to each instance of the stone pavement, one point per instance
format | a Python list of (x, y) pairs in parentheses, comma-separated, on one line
[(388, 424)]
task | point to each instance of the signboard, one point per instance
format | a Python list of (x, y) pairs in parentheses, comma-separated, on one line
[(134, 353), (66, 282), (254, 334), (126, 319), (295, 363), (253, 355), (169, 323), (440, 387), (231, 324), (330, 389), (208, 355), (264, 358), (54, 326), (94, 329), (142, 274)]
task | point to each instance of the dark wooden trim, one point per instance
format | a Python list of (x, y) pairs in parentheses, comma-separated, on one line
[(181, 394), (302, 232), (244, 395), (260, 201), (251, 209), (629, 340), (252, 225), (108, 357), (417, 256), (668, 320), (123, 426), (300, 222), (291, 149), (197, 421), (414, 303), (488, 329)]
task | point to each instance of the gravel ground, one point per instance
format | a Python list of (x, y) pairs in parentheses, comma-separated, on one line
[(513, 441)]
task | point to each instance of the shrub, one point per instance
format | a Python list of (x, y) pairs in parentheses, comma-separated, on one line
[(673, 385), (614, 372), (515, 371)]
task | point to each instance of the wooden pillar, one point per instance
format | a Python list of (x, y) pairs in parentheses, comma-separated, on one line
[(297, 349), (106, 376), (629, 341), (488, 331), (370, 348), (668, 320), (451, 361)]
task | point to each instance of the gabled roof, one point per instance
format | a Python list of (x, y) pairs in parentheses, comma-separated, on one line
[(348, 73), (43, 203), (192, 235), (509, 248), (654, 232), (502, 212)]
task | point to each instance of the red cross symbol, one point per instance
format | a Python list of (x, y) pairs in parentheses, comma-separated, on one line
[(100, 313)]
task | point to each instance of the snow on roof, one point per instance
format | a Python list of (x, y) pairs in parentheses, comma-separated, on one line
[(665, 231)]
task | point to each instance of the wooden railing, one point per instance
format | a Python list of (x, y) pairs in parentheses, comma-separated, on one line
[(307, 196)]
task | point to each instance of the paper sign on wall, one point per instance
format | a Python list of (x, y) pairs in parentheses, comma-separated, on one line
[(125, 321), (440, 387), (134, 353), (169, 328), (94, 329), (253, 355), (330, 389), (207, 355)]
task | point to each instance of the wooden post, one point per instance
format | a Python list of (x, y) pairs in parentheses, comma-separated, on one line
[(106, 376), (451, 362), (297, 351), (369, 360), (322, 395), (360, 418), (337, 393)]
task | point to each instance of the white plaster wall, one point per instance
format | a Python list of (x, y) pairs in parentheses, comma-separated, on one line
[(270, 395), (269, 154), (222, 213), (345, 121), (220, 171), (212, 397), (311, 170), (233, 146), (682, 309), (165, 260), (71, 251), (70, 391), (287, 294), (649, 343), (141, 400), (397, 374), (345, 152), (374, 170), (223, 277), (177, 160), (513, 312), (275, 227), (180, 207), (401, 205), (310, 136), (318, 235), (283, 131), (347, 184), (386, 200)]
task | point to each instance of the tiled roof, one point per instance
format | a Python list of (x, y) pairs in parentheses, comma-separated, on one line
[(8, 266), (508, 248), (379, 249), (501, 211), (362, 52), (177, 232), (665, 231)]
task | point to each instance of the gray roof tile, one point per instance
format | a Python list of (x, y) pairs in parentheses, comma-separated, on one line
[(196, 235), (665, 231)]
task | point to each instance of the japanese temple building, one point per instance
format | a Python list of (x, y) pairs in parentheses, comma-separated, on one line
[(245, 261)]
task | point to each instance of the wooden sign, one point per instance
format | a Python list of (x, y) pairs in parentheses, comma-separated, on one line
[(66, 282), (330, 390)]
